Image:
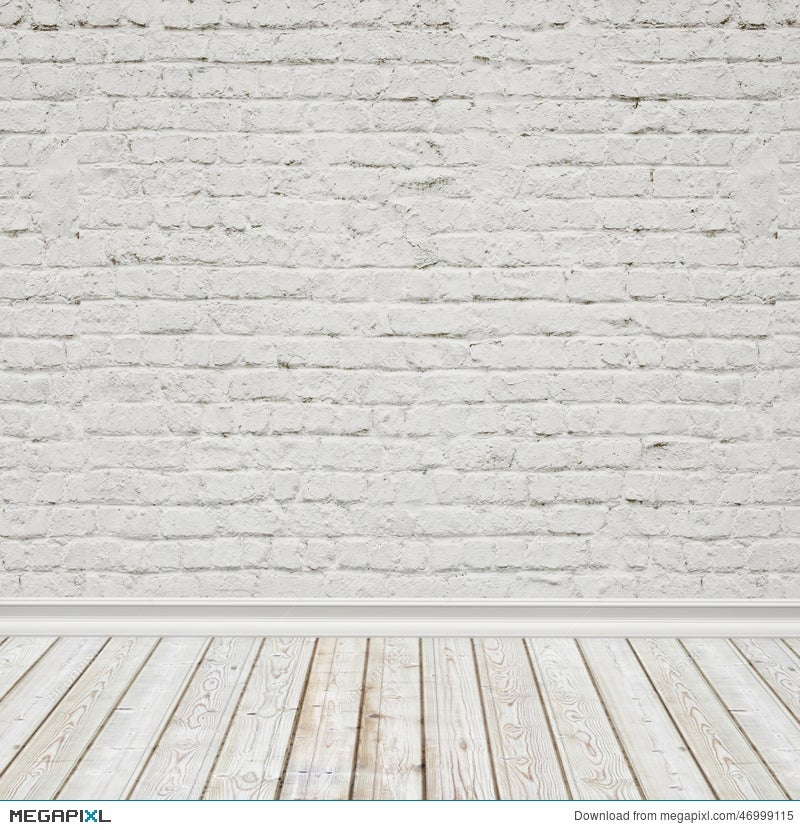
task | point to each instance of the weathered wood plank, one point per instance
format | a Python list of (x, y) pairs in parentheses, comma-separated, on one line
[(593, 759), (50, 755), (321, 761), (116, 757), (774, 733), (17, 656), (540, 718), (38, 692), (182, 760), (733, 770), (458, 763), (251, 761), (525, 759), (778, 665), (389, 764), (664, 766)]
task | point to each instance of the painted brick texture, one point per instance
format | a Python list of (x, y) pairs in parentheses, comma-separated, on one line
[(391, 298)]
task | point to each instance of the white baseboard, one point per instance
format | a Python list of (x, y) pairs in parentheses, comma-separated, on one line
[(406, 617)]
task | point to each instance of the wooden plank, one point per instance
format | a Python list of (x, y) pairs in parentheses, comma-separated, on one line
[(115, 759), (320, 764), (17, 655), (525, 759), (50, 755), (733, 770), (458, 763), (389, 764), (773, 732), (779, 667), (251, 761), (664, 766), (32, 699), (593, 759), (184, 756)]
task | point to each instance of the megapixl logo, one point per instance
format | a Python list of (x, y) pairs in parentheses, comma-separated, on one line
[(59, 816)]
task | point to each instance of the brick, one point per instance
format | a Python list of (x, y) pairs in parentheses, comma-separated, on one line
[(399, 299)]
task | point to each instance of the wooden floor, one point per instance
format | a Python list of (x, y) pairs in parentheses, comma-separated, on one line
[(244, 718)]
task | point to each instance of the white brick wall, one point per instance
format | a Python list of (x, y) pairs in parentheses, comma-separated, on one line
[(381, 297)]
